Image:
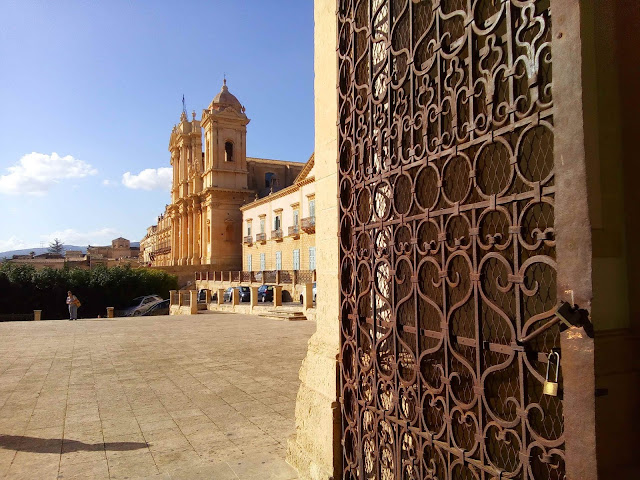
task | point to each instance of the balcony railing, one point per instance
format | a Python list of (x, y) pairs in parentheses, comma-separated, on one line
[(261, 237), (294, 231), (276, 234), (248, 239), (281, 277), (309, 224)]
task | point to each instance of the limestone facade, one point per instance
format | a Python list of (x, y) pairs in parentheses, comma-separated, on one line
[(315, 448), (279, 229), (155, 247), (120, 248), (203, 223)]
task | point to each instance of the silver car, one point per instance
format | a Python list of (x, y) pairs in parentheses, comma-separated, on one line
[(138, 306)]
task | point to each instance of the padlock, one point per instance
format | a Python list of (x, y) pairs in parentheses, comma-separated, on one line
[(551, 388)]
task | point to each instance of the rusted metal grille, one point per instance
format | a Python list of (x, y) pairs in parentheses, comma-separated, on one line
[(447, 240)]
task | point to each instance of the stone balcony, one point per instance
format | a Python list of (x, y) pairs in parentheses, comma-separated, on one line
[(261, 237), (294, 231), (276, 235), (309, 224), (248, 239)]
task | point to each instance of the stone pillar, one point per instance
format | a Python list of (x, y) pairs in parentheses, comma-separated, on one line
[(207, 296), (235, 297), (37, 315), (110, 311), (184, 237), (220, 296), (308, 296), (196, 233), (174, 239), (190, 235), (254, 297), (277, 296), (315, 450), (193, 302)]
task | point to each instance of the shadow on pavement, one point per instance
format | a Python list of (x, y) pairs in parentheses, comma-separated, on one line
[(57, 445)]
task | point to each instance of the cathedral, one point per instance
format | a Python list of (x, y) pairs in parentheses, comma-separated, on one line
[(203, 223)]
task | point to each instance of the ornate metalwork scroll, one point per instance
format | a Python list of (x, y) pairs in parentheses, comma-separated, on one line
[(447, 244)]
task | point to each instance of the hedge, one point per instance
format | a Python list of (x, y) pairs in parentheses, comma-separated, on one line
[(24, 289)]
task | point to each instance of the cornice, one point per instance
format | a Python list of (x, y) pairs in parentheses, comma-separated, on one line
[(279, 194)]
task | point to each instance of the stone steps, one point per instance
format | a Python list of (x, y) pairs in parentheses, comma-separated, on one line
[(288, 315)]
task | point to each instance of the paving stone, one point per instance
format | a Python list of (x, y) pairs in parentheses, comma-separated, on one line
[(163, 398)]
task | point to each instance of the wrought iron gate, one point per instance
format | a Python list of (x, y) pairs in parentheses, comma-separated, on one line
[(447, 239)]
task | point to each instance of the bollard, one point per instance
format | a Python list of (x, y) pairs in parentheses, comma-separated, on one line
[(37, 315), (253, 299), (220, 296), (277, 296), (110, 312)]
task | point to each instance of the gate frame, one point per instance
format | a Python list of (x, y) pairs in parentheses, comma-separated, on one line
[(316, 450), (573, 239)]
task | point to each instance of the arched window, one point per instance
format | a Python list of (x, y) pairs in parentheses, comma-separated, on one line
[(228, 152), (269, 179)]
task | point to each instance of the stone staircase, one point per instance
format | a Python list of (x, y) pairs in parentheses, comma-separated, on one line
[(287, 315)]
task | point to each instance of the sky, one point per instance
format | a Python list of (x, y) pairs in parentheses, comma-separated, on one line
[(89, 93)]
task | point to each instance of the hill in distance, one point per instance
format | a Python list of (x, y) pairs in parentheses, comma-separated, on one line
[(41, 250)]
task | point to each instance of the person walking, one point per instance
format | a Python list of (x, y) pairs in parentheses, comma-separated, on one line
[(73, 303)]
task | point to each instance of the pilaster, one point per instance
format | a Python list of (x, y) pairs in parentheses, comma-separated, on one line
[(315, 448)]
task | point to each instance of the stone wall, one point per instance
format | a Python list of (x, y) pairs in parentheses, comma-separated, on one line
[(185, 273), (286, 246), (315, 448)]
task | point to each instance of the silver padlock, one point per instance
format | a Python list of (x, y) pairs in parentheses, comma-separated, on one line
[(551, 388)]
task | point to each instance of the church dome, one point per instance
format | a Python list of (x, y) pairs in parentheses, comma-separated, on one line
[(226, 99)]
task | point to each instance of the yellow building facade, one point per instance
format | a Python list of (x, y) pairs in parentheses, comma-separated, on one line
[(279, 229), (212, 179)]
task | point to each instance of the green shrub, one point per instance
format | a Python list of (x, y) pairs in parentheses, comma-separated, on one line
[(24, 289)]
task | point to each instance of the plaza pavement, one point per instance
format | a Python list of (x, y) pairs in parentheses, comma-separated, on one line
[(209, 396)]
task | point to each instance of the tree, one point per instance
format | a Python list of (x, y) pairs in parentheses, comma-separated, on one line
[(56, 247)]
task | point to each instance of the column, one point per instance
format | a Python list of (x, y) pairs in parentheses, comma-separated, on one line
[(184, 236), (190, 233), (197, 233)]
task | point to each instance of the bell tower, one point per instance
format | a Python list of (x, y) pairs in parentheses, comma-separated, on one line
[(185, 146), (225, 146)]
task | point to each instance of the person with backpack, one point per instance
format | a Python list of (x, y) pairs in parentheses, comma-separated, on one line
[(73, 303)]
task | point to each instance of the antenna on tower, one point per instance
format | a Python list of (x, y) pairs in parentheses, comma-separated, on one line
[(184, 106), (224, 78)]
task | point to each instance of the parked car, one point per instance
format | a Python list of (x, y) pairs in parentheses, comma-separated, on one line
[(202, 296), (160, 308), (314, 294), (244, 292), (265, 293), (138, 306)]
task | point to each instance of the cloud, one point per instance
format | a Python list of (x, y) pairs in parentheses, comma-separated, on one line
[(108, 183), (149, 179), (35, 173), (70, 236), (12, 243)]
